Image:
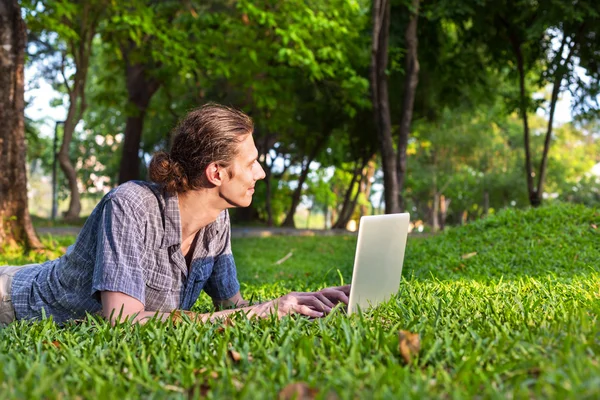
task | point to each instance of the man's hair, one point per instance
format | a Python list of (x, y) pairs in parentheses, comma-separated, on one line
[(208, 134)]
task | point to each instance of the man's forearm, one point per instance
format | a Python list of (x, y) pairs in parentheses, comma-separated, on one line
[(178, 315)]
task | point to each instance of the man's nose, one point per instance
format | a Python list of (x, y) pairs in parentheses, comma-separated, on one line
[(261, 174)]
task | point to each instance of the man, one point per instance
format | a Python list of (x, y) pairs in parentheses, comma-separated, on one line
[(148, 249)]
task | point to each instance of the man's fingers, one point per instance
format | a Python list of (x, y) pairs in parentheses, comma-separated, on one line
[(345, 289), (324, 299), (316, 304), (335, 295), (305, 310)]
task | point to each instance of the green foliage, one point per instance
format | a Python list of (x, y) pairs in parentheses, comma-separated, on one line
[(300, 69), (517, 319)]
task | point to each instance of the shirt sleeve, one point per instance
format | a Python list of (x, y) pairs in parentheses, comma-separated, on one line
[(223, 283), (120, 251)]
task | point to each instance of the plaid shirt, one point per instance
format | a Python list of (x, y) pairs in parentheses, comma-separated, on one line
[(131, 243)]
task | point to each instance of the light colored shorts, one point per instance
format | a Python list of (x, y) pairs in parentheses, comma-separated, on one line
[(7, 311)]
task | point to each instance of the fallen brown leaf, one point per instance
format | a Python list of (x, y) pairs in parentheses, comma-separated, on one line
[(177, 315), (227, 322), (468, 255), (594, 226), (409, 345), (298, 391), (54, 343), (235, 356), (535, 371), (202, 371)]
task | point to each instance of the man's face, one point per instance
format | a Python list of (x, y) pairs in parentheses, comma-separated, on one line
[(245, 170)]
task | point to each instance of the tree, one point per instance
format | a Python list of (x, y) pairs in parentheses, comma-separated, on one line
[(15, 222), (67, 29), (153, 44), (380, 99), (543, 40), (410, 87)]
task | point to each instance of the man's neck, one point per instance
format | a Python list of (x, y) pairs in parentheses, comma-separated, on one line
[(197, 209)]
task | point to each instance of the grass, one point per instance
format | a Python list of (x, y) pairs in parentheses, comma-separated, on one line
[(507, 307)]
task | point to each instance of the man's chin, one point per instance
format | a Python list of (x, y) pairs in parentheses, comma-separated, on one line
[(240, 204)]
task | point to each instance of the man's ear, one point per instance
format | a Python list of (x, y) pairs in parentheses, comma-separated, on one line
[(215, 174)]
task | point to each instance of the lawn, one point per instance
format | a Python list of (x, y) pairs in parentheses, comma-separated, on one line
[(507, 307)]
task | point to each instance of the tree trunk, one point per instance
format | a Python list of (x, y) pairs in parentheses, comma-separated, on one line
[(411, 81), (560, 73), (81, 49), (486, 203), (435, 224), (352, 207), (444, 205), (289, 218), (343, 220), (15, 221), (534, 197), (380, 100), (435, 212), (140, 88), (63, 155), (367, 185)]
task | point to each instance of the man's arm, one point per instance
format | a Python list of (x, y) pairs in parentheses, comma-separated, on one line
[(117, 306), (237, 301)]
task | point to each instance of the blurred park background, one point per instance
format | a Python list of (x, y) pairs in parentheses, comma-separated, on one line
[(448, 109)]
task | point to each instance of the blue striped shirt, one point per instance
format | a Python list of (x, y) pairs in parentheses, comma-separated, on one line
[(131, 243)]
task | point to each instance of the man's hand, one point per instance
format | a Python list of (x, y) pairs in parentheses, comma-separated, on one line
[(337, 294), (315, 305)]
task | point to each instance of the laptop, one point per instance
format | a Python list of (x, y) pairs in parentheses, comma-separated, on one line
[(378, 261)]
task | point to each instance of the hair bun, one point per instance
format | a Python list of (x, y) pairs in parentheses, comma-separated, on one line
[(167, 172)]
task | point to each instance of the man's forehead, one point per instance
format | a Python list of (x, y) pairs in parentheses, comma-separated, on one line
[(248, 149)]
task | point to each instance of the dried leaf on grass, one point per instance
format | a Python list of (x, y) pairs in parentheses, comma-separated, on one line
[(409, 345), (298, 391), (235, 356), (202, 371), (177, 315), (594, 226), (54, 343), (468, 255), (174, 388), (301, 391), (288, 255), (225, 323)]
